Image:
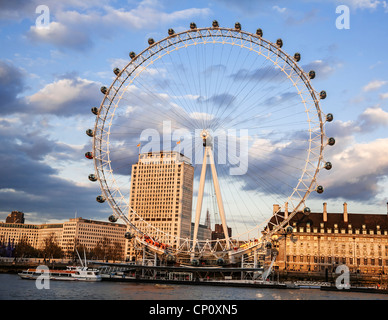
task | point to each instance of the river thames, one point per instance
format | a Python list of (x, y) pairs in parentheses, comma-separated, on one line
[(14, 288)]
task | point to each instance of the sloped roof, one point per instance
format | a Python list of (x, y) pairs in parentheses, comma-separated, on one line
[(356, 220)]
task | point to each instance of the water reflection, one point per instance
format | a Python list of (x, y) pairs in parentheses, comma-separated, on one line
[(12, 287)]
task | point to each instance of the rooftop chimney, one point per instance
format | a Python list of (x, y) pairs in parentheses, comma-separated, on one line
[(276, 208), (324, 212), (345, 212)]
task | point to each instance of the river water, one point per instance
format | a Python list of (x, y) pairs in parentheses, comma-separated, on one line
[(14, 288)]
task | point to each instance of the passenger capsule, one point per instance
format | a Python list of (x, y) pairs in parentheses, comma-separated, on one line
[(94, 110), (90, 133), (237, 26), (328, 165), (104, 89), (329, 117), (297, 57), (92, 177), (220, 262), (89, 155), (128, 235), (259, 32), (279, 43), (312, 74), (306, 211), (132, 54), (322, 94), (112, 218), (170, 258), (194, 262), (331, 141), (215, 24), (116, 71), (320, 189), (100, 199), (289, 230), (171, 32), (151, 41), (193, 26)]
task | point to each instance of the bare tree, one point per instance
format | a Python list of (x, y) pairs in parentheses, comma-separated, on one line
[(51, 248)]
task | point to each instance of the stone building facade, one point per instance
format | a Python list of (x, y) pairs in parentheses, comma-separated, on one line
[(77, 231), (161, 195), (321, 241)]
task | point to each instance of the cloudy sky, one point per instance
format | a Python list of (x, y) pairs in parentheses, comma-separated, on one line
[(50, 78)]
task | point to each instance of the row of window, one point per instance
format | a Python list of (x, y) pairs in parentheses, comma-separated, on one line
[(338, 260)]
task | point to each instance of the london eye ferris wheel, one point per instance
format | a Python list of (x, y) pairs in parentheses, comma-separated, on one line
[(240, 108)]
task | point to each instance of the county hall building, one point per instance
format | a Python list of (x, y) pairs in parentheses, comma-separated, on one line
[(321, 241)]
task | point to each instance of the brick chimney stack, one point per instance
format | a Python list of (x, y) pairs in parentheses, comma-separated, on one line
[(345, 212), (324, 212)]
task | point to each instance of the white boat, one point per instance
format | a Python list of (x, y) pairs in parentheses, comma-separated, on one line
[(74, 273), (82, 273)]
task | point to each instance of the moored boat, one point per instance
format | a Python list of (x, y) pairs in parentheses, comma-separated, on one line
[(71, 273)]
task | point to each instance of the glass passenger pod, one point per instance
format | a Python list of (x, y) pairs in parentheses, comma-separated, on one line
[(194, 262), (100, 199), (116, 71), (170, 258), (289, 230), (90, 133), (89, 155), (104, 89), (129, 235), (329, 117), (112, 218), (328, 165)]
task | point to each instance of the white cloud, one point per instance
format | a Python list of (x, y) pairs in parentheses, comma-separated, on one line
[(373, 117), (384, 95), (278, 9), (148, 17), (323, 68), (363, 4), (60, 35), (353, 176), (374, 85), (66, 97), (201, 116), (76, 29)]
